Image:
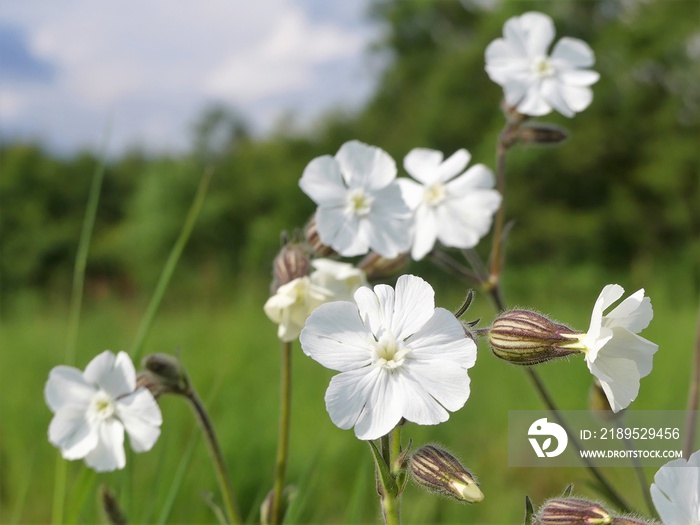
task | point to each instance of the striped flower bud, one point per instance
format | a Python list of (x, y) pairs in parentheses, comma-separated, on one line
[(572, 511), (293, 261), (526, 338), (377, 267), (541, 134), (441, 472), (314, 241), (164, 375)]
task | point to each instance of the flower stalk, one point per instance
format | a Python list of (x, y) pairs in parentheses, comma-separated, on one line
[(283, 436)]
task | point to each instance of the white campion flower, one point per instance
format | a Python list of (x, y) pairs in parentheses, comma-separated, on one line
[(293, 302), (398, 357), (451, 205), (615, 354), (359, 201), (93, 408), (676, 491), (533, 81)]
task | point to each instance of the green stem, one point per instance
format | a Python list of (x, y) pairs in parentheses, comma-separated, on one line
[(283, 436), (391, 449), (217, 458), (169, 267), (76, 301)]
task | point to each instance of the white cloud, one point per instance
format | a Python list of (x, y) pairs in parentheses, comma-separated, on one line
[(150, 66)]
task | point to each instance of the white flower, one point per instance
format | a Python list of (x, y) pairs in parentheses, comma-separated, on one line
[(93, 408), (615, 354), (293, 302), (456, 210), (676, 491), (399, 357), (359, 201), (534, 81)]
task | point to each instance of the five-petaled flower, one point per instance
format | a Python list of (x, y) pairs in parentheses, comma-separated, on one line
[(676, 491), (359, 201), (615, 354), (456, 210), (533, 81), (93, 408), (399, 357)]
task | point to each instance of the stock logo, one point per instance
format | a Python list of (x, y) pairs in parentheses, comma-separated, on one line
[(549, 431)]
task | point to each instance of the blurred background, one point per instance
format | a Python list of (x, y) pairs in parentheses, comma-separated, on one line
[(161, 91)]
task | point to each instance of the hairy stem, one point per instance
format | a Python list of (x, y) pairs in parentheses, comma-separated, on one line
[(283, 435)]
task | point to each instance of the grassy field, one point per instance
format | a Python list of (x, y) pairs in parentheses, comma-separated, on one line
[(231, 352)]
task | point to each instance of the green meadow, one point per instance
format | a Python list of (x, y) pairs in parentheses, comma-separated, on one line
[(232, 354)]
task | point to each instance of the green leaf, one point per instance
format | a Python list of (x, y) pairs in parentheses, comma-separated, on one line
[(387, 480)]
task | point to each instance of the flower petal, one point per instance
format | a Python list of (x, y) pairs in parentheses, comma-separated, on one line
[(552, 92), (676, 491), (335, 337), (67, 387), (422, 164), (476, 177), (573, 51), (348, 393), (424, 233), (453, 165), (141, 417), (411, 192), (365, 166), (419, 406), (71, 432), (341, 232), (634, 313), (323, 182), (108, 455), (384, 407), (414, 305), (388, 225), (609, 294), (576, 98), (534, 103), (442, 339), (445, 382), (114, 375), (533, 30)]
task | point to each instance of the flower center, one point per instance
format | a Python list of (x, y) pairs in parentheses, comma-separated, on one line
[(101, 407), (388, 353), (434, 194), (543, 67), (358, 203)]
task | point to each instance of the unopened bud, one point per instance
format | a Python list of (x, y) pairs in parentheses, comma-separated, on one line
[(110, 505), (572, 511), (164, 374), (314, 241), (441, 472), (377, 267), (293, 261), (541, 134), (526, 338)]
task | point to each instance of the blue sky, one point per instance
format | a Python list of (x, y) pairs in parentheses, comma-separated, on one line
[(146, 69)]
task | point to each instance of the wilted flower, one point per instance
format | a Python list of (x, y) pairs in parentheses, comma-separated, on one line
[(450, 205), (439, 471), (359, 201), (399, 357), (93, 408), (294, 301), (676, 491), (534, 81)]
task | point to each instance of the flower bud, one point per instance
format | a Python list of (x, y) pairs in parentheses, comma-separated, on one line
[(526, 338), (572, 511), (293, 261), (441, 472), (541, 134), (314, 241), (164, 374), (377, 267), (111, 508)]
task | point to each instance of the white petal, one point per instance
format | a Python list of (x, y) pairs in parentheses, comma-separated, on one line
[(340, 232), (609, 294), (676, 491), (67, 387), (422, 164), (414, 305), (535, 30), (552, 92), (348, 393), (418, 405), (384, 407), (476, 177), (453, 165), (504, 60), (141, 417), (365, 166), (389, 223), (577, 77), (323, 182), (573, 51), (446, 382), (70, 431), (411, 192), (442, 339), (335, 337), (114, 375), (576, 98), (108, 455), (464, 221), (424, 233), (371, 311), (534, 103), (634, 313)]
